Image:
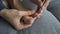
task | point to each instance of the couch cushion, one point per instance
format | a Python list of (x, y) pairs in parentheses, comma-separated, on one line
[(54, 7), (5, 27)]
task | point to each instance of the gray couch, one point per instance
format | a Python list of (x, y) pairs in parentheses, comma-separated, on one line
[(47, 24), (54, 8)]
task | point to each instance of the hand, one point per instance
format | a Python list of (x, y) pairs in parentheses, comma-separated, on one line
[(14, 17), (41, 6), (30, 18), (17, 5)]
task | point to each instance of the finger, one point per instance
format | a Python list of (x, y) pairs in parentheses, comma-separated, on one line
[(40, 11), (46, 3), (40, 3), (22, 25), (24, 13), (28, 20), (38, 15), (31, 21)]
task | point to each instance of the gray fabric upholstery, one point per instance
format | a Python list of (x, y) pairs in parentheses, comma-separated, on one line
[(47, 24), (6, 28), (54, 8)]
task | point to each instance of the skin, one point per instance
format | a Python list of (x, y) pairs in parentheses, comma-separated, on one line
[(21, 17), (41, 6), (14, 16)]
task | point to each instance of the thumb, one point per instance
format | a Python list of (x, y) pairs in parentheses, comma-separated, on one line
[(26, 12)]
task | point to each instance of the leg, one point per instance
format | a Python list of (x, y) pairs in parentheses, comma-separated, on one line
[(45, 25)]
